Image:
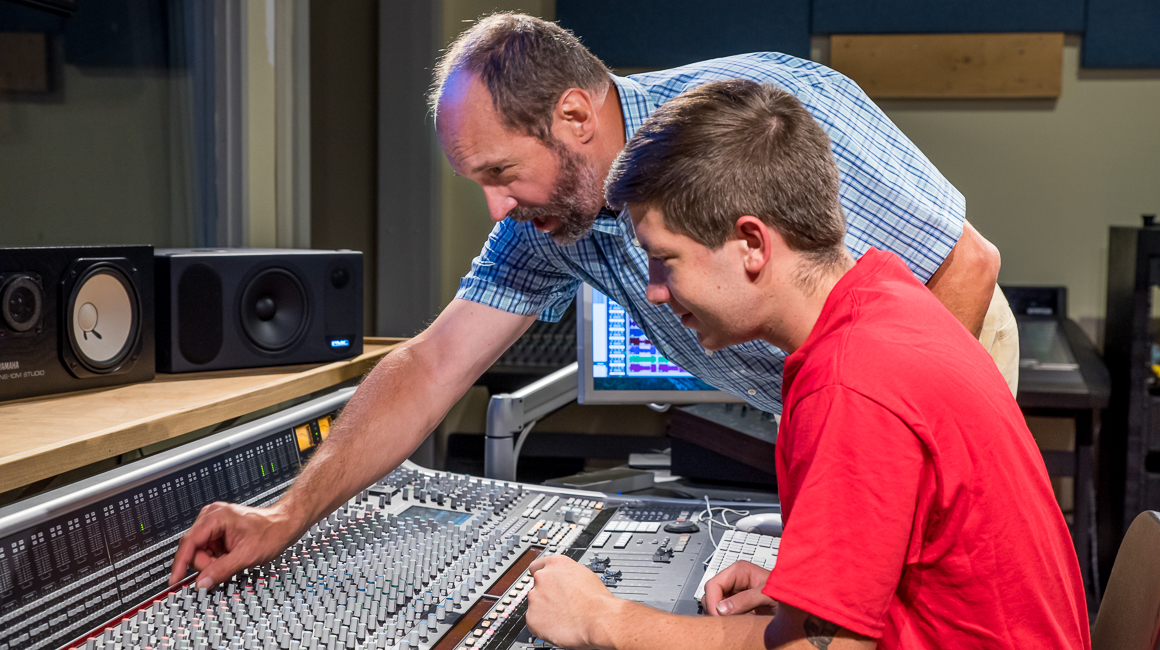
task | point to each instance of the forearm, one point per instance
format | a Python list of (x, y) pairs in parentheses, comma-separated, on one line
[(570, 607), (632, 626), (393, 410), (966, 279)]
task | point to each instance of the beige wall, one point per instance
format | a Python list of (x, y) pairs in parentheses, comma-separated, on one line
[(260, 121), (1045, 178), (465, 221)]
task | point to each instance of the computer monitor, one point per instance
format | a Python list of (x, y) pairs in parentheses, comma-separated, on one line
[(619, 365)]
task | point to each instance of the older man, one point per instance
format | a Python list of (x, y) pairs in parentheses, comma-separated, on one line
[(526, 111)]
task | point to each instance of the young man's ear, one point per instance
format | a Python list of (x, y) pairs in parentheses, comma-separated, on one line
[(758, 241)]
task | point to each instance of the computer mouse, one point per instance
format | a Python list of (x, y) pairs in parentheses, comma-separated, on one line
[(765, 523)]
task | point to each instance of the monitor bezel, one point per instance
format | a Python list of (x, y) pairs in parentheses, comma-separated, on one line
[(587, 393)]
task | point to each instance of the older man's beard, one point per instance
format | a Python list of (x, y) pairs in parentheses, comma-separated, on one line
[(574, 202)]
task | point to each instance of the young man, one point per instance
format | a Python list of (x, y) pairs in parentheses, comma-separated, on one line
[(917, 509)]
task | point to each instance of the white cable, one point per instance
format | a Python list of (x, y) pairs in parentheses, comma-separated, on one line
[(520, 442), (708, 513), (709, 510)]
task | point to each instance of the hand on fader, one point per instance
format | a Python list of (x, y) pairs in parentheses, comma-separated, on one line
[(227, 538), (568, 603), (737, 590)]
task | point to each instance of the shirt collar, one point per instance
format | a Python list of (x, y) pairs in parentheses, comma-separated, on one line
[(635, 104), (609, 222), (635, 107)]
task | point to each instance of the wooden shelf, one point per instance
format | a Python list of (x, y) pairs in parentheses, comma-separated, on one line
[(46, 436)]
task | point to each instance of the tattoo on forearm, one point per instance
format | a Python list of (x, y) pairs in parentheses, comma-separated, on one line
[(820, 632)]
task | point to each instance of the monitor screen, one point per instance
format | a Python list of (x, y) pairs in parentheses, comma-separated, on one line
[(620, 365)]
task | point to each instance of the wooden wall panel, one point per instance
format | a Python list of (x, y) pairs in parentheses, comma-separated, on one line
[(951, 65)]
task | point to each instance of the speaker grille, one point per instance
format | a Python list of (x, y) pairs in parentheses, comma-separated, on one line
[(274, 310), (199, 314)]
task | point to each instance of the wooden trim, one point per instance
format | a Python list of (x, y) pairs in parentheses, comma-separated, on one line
[(43, 437), (951, 65)]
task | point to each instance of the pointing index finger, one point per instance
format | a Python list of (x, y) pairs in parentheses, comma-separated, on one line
[(204, 529)]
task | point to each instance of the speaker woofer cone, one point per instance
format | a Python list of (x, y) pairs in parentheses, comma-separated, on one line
[(102, 318), (22, 303), (274, 310)]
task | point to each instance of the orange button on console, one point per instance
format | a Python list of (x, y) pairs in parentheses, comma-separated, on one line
[(305, 441)]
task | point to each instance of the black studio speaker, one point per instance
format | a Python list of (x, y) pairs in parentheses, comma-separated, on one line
[(247, 307), (74, 318)]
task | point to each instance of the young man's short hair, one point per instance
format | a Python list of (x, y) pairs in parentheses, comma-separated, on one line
[(527, 64), (732, 148)]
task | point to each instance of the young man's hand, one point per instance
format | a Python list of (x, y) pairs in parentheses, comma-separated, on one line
[(568, 604), (737, 590)]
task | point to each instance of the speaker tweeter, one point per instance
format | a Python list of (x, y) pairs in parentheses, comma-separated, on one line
[(22, 305)]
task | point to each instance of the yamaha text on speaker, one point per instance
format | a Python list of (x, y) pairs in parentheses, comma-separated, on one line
[(74, 318), (247, 308)]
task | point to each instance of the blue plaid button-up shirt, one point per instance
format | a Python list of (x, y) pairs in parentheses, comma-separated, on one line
[(893, 197)]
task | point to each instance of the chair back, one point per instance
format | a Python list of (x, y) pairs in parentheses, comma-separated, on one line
[(1129, 615)]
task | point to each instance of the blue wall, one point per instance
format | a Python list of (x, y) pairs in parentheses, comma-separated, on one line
[(660, 34), (668, 33), (1122, 34), (946, 16)]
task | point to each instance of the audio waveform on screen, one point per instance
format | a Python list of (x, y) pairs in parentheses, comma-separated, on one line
[(630, 352)]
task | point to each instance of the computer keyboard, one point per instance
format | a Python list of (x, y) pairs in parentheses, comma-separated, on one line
[(736, 545)]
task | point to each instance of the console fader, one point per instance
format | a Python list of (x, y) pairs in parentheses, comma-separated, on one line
[(421, 560)]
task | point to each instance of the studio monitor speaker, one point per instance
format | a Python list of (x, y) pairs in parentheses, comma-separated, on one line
[(74, 318), (247, 308)]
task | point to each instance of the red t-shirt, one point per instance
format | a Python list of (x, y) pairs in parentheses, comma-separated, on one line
[(916, 504)]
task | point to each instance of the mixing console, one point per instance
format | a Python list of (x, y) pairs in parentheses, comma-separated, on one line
[(420, 560)]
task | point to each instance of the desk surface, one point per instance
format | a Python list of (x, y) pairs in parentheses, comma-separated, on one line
[(43, 437), (1060, 368)]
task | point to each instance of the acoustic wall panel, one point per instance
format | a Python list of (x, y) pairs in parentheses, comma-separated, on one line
[(948, 16), (1122, 34), (663, 34)]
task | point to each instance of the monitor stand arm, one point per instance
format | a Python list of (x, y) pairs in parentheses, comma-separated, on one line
[(509, 413)]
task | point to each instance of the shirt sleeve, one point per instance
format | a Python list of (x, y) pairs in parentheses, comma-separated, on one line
[(514, 273), (895, 199), (849, 471)]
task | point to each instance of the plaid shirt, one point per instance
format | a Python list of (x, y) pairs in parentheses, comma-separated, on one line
[(893, 197)]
